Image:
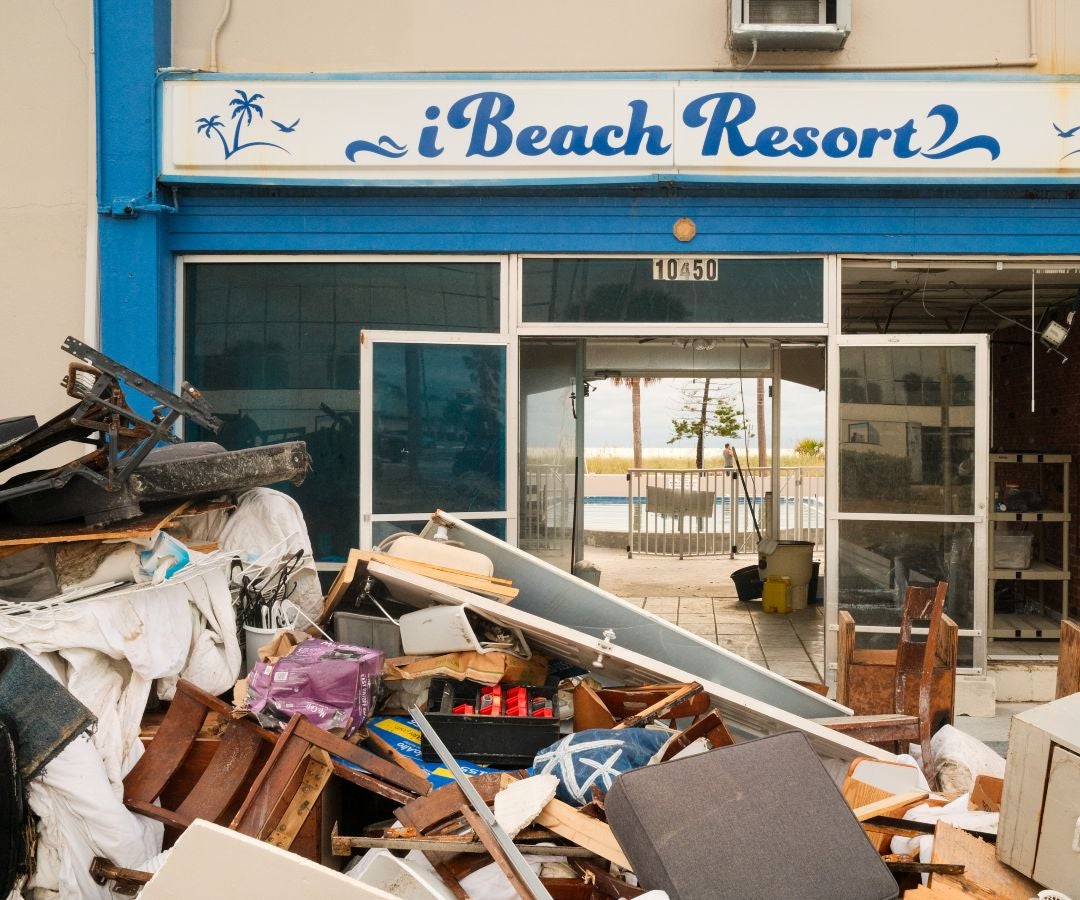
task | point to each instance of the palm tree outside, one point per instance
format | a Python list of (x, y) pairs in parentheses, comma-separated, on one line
[(635, 403)]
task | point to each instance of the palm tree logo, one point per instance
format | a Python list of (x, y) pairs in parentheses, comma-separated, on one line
[(245, 108)]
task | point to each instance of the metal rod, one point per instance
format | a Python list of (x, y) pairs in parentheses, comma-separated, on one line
[(513, 855)]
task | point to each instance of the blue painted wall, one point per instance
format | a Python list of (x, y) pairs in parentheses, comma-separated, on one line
[(569, 221), (133, 40)]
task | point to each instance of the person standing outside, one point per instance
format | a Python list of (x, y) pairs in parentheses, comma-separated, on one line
[(729, 458)]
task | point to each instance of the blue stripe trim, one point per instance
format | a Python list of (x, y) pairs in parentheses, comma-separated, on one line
[(658, 178), (927, 76)]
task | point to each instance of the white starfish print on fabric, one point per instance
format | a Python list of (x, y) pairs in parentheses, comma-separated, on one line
[(564, 755)]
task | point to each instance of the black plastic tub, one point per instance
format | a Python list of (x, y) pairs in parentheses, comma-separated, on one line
[(747, 583)]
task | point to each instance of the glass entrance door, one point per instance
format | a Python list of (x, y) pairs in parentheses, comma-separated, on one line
[(908, 436), (437, 431)]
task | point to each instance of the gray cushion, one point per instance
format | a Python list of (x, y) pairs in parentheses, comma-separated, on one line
[(757, 819)]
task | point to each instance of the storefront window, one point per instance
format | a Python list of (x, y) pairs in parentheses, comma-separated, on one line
[(907, 416), (275, 347), (718, 290), (879, 559)]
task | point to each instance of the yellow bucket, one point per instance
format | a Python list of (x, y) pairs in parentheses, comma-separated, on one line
[(776, 594)]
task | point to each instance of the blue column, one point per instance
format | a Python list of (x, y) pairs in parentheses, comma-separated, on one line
[(133, 40)]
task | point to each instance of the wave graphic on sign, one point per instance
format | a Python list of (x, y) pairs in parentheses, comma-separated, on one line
[(385, 146)]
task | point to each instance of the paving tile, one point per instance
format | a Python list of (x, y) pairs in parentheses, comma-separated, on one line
[(734, 628), (662, 604), (696, 604), (704, 631), (695, 618)]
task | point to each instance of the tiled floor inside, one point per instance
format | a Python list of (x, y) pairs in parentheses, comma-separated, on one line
[(699, 595), (791, 645)]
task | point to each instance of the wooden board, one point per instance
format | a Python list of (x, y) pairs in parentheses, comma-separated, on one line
[(470, 581), (1068, 673), (592, 834), (982, 869), (20, 537), (889, 805)]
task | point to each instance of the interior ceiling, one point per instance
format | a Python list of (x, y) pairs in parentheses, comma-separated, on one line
[(934, 297)]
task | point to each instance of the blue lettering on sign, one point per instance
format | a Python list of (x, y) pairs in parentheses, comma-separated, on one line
[(726, 115), (486, 119), (491, 125)]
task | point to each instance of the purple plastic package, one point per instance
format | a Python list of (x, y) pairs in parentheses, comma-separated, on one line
[(333, 685)]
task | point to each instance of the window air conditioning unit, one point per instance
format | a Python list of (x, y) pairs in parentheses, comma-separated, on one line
[(790, 24)]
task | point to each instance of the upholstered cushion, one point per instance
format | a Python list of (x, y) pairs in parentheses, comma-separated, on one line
[(757, 819)]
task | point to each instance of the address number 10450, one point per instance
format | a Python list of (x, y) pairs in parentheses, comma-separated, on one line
[(684, 268)]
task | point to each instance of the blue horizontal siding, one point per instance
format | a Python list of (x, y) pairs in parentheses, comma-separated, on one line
[(499, 223)]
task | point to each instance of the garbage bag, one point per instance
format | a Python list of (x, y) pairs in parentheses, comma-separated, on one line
[(331, 684)]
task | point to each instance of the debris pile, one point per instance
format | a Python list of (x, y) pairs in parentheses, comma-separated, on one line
[(186, 715)]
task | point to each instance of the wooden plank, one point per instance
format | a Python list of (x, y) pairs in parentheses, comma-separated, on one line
[(685, 692), (982, 869), (424, 813), (303, 801), (710, 726), (487, 837), (376, 765), (1068, 672), (470, 581), (23, 536), (857, 794), (889, 804), (382, 748), (343, 845), (568, 823)]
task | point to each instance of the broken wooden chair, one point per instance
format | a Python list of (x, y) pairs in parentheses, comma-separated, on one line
[(255, 781), (901, 695)]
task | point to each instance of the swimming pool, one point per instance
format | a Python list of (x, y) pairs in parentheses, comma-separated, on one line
[(611, 514)]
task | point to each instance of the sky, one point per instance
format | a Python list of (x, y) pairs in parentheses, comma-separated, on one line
[(608, 417)]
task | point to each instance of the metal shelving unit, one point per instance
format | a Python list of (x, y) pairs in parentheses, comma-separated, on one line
[(1041, 623)]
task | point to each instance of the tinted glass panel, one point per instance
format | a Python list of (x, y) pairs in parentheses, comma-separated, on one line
[(627, 290), (907, 429), (878, 560), (380, 531), (275, 349), (548, 434), (439, 428)]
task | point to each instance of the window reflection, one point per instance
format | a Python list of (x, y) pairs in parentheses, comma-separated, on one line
[(275, 349), (907, 415)]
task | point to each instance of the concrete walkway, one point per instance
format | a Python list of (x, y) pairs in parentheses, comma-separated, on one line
[(698, 594)]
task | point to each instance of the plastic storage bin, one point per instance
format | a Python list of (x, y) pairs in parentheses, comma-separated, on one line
[(496, 740), (1012, 551)]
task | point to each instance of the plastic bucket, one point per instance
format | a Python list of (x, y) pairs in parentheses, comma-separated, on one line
[(793, 559), (254, 638), (747, 583)]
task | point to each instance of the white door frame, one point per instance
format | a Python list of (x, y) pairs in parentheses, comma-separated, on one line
[(981, 344), (368, 340)]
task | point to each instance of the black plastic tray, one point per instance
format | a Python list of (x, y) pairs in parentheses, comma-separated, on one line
[(490, 740)]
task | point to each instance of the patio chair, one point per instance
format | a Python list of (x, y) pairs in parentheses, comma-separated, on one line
[(906, 694)]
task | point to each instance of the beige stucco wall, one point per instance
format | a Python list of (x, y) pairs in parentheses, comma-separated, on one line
[(45, 68), (621, 35)]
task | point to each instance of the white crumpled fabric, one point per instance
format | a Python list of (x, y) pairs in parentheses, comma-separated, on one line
[(268, 526), (107, 650), (955, 813)]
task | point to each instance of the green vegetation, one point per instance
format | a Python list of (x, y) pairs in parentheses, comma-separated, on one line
[(810, 448), (600, 463)]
